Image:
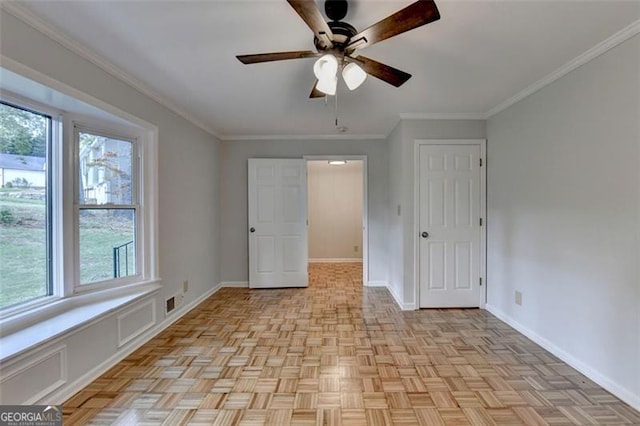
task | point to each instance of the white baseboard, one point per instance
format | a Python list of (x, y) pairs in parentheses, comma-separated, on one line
[(621, 392), (409, 307), (336, 260), (235, 284), (69, 390), (403, 306), (395, 296)]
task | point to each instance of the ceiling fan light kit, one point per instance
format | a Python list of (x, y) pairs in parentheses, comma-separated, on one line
[(337, 41), (328, 85), (353, 75), (326, 69)]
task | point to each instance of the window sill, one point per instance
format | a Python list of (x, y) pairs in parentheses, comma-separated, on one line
[(45, 323)]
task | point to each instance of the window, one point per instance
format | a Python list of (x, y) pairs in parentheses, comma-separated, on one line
[(25, 206), (77, 205), (107, 203)]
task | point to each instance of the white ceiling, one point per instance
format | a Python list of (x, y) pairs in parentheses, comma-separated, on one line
[(478, 55)]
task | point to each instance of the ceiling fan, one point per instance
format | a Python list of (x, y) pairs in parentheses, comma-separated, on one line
[(337, 43)]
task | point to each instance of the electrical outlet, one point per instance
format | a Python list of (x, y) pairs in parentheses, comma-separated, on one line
[(518, 298), (398, 209), (185, 286), (355, 249)]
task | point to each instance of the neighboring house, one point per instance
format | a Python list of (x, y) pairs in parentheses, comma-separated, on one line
[(105, 171), (22, 170)]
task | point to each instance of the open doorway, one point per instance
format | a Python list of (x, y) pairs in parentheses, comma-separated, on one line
[(337, 211)]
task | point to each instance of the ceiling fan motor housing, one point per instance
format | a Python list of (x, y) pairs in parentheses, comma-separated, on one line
[(342, 33)]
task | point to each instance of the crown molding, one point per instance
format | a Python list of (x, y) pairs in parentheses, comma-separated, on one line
[(597, 50), (442, 116), (27, 16), (339, 137)]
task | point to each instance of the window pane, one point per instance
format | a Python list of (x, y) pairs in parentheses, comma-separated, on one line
[(107, 244), (105, 170), (24, 139)]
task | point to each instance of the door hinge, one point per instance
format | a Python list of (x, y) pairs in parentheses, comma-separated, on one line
[(480, 221), (481, 162), (480, 281)]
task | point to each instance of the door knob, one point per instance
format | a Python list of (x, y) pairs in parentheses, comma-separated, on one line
[(252, 229), (425, 235)]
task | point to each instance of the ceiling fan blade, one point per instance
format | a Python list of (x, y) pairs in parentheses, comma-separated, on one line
[(311, 15), (315, 93), (279, 56), (386, 73), (415, 15)]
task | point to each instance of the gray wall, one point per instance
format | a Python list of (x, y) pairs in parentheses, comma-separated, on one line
[(564, 217), (234, 196), (401, 171), (188, 175)]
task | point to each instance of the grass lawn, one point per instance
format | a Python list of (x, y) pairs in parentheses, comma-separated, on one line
[(100, 232), (23, 256), (23, 262)]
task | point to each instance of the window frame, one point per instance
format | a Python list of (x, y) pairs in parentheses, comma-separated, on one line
[(62, 166), (53, 204), (127, 135)]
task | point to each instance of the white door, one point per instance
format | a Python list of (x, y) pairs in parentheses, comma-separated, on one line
[(449, 225), (278, 223)]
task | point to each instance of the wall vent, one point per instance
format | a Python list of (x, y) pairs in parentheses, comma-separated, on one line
[(171, 304)]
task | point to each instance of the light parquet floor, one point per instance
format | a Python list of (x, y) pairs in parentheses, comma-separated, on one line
[(336, 353)]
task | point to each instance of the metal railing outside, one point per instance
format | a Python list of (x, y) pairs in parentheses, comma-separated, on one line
[(117, 251)]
